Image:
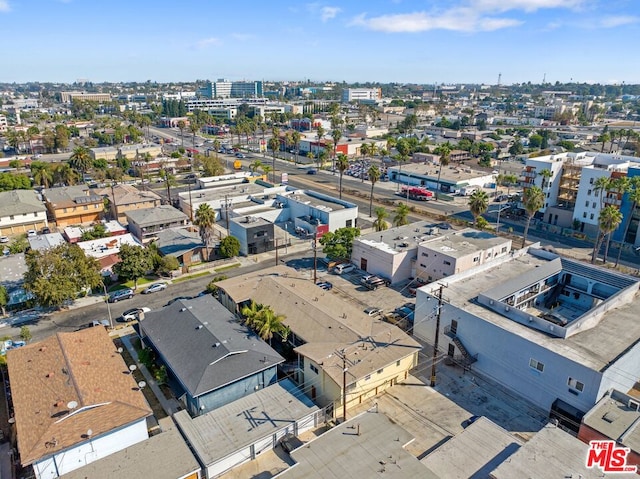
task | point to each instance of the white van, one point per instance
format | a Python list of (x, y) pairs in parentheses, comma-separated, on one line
[(344, 268)]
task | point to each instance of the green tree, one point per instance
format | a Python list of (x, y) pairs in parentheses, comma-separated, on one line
[(478, 204), (250, 312), (4, 299), (404, 150), (80, 160), (296, 137), (608, 221), (19, 245), (274, 146), (380, 224), (59, 274), (533, 200), (444, 151), (336, 134), (160, 375), (342, 163), (339, 243), (374, 176), (135, 262), (211, 165), (205, 218), (181, 126), (25, 334), (166, 265), (634, 197), (229, 247), (402, 215), (269, 323)]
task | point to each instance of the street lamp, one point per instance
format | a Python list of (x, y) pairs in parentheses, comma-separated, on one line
[(499, 210), (106, 299)]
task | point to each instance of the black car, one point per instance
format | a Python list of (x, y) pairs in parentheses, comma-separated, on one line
[(46, 230), (177, 299)]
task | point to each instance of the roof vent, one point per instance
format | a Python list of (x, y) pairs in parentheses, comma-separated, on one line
[(216, 345), (182, 310), (199, 326)]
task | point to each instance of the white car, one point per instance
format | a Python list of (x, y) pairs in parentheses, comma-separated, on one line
[(4, 239), (133, 314), (154, 288), (32, 234)]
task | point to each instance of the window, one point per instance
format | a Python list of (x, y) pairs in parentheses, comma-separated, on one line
[(313, 368), (537, 365), (398, 362), (35, 215), (380, 371), (64, 210), (591, 216), (448, 263), (367, 377), (593, 205), (589, 193), (86, 207), (425, 254), (11, 217), (504, 249), (476, 259), (25, 214), (586, 204), (590, 181), (584, 215), (575, 384)]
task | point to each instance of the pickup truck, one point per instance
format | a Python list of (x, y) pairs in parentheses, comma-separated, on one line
[(374, 282)]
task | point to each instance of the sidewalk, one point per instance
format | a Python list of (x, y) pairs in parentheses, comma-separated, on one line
[(170, 406)]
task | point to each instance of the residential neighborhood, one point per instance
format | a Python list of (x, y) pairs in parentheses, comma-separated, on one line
[(325, 276)]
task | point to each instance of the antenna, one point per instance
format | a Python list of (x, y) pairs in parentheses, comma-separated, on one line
[(499, 79)]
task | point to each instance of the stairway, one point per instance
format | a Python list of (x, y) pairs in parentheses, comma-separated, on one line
[(469, 359)]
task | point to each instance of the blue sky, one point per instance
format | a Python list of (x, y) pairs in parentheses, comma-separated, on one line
[(444, 41)]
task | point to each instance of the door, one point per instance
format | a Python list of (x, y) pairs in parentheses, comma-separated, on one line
[(363, 264), (452, 350), (454, 327)]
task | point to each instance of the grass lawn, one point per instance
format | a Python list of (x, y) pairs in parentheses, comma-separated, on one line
[(190, 276), (228, 267)]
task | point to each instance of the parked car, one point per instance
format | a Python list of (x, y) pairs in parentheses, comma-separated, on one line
[(46, 230), (178, 299), (94, 323), (121, 294), (32, 234), (344, 268), (154, 288), (311, 171), (133, 314), (240, 155), (4, 239), (373, 311)]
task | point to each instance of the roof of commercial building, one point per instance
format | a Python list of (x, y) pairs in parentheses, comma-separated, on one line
[(401, 238), (232, 427), (154, 216), (19, 202), (163, 456), (205, 346), (595, 348), (450, 174), (220, 192), (70, 196), (308, 197), (474, 452), (612, 417), (44, 242), (69, 383), (101, 247), (550, 454), (462, 243), (325, 321), (369, 445)]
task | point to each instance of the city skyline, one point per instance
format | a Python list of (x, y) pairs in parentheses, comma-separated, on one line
[(438, 41)]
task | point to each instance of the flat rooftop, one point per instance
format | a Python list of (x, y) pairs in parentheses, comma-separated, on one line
[(220, 192), (309, 198), (235, 426), (450, 174), (462, 243), (369, 445), (400, 238), (594, 348), (613, 418)]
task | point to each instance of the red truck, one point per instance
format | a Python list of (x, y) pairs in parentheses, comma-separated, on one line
[(417, 193)]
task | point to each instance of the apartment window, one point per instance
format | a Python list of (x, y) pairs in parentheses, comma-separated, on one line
[(504, 249), (11, 217), (588, 192), (586, 204), (367, 377), (590, 181), (476, 259), (575, 384), (448, 263), (313, 368), (86, 207), (398, 362), (591, 216), (584, 215), (537, 365), (593, 205)]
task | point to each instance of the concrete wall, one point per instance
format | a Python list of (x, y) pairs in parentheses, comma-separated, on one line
[(394, 266), (90, 451), (505, 356), (623, 373)]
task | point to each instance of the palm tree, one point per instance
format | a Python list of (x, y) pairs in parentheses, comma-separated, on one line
[(205, 219), (181, 126), (404, 149), (250, 312), (63, 173), (255, 165), (320, 132), (634, 196), (268, 322), (274, 145), (401, 217), (296, 137), (80, 160), (336, 134), (608, 221), (379, 224), (266, 169), (194, 127), (444, 151), (42, 174), (374, 176), (342, 163), (533, 200), (478, 204), (364, 151)]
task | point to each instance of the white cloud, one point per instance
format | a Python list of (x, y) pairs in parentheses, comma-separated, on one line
[(4, 6), (207, 42), (618, 20), (327, 13), (466, 16)]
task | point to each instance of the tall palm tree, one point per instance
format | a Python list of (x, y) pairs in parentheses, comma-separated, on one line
[(374, 176), (255, 165), (42, 174), (533, 200), (250, 312), (296, 137), (379, 224), (181, 126), (320, 132), (194, 127), (404, 150), (274, 145), (63, 173), (268, 323), (364, 151), (478, 204), (342, 163), (80, 160), (321, 158), (444, 151), (608, 221), (336, 134), (634, 197), (402, 215), (205, 219)]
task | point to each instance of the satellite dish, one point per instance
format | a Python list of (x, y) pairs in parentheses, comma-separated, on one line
[(133, 367), (142, 384), (72, 404), (120, 350)]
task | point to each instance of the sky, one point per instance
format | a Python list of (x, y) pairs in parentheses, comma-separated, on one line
[(404, 41)]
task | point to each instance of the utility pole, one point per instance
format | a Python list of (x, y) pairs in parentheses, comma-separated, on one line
[(435, 343), (315, 262), (343, 355), (226, 211), (190, 203), (275, 240)]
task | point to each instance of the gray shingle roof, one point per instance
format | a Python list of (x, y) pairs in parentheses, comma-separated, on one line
[(177, 242), (154, 216), (18, 202), (204, 345)]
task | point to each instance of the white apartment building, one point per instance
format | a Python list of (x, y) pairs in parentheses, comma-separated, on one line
[(361, 94)]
